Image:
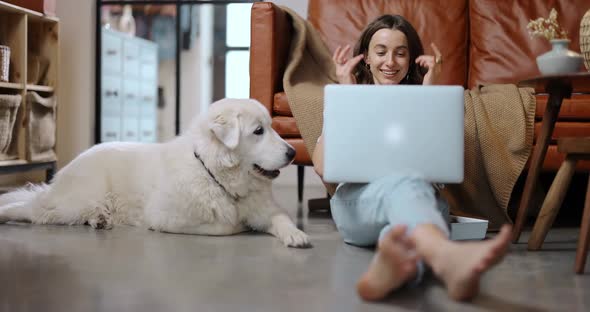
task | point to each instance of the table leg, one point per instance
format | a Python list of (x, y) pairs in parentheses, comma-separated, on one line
[(552, 203), (584, 240), (539, 152)]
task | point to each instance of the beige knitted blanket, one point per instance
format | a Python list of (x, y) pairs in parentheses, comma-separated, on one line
[(499, 123), (309, 69)]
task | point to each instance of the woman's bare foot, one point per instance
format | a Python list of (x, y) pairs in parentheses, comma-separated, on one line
[(462, 264), (394, 263)]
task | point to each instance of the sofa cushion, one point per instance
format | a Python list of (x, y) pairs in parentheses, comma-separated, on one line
[(576, 108), (286, 127), (280, 105), (553, 160), (444, 24), (302, 157), (501, 49), (565, 129)]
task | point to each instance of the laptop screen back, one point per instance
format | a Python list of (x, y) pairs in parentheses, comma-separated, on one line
[(371, 131)]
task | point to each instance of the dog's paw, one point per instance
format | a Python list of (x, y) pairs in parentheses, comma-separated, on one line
[(295, 238), (101, 222)]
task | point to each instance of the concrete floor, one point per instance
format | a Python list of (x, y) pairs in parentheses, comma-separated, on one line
[(58, 268)]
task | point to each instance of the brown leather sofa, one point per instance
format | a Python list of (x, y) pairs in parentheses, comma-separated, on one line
[(482, 41)]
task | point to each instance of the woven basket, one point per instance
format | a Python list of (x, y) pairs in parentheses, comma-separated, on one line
[(4, 63), (41, 127), (9, 105), (585, 39)]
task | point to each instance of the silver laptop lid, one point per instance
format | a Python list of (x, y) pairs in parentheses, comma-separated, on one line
[(371, 131)]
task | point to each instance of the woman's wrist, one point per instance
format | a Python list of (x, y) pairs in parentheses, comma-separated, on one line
[(318, 157)]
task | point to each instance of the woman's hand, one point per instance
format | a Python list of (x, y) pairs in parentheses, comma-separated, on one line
[(434, 65), (344, 65)]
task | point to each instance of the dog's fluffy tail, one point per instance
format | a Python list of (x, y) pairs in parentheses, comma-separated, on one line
[(15, 205)]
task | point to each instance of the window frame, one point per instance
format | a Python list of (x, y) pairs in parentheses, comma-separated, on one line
[(178, 4)]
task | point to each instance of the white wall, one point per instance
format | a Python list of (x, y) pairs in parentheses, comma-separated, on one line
[(76, 85), (299, 6)]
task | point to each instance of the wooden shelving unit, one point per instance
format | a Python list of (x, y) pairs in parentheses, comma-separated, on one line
[(39, 88), (34, 55), (11, 85)]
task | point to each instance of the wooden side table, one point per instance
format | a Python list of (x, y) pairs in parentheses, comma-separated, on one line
[(558, 87), (575, 149)]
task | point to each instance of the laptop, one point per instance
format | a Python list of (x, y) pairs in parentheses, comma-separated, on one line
[(374, 130)]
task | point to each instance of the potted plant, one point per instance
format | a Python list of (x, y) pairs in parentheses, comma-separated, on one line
[(559, 60)]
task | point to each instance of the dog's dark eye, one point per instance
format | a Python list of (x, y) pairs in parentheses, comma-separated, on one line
[(259, 131)]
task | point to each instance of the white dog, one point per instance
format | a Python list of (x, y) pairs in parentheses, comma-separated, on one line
[(215, 179)]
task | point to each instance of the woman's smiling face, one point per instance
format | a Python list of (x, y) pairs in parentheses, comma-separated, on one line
[(388, 56)]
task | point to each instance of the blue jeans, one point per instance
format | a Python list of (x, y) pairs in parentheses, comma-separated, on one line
[(363, 213)]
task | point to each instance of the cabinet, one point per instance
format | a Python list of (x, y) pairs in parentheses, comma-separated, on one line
[(28, 126), (129, 87)]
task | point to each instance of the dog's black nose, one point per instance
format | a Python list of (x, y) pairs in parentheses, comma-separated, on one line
[(290, 153)]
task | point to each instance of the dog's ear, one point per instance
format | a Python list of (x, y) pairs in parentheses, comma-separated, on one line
[(226, 129)]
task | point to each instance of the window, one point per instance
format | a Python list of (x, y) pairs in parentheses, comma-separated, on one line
[(202, 55), (237, 56)]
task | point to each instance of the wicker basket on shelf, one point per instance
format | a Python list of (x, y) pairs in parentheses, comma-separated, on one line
[(4, 63), (41, 127), (9, 105), (585, 39)]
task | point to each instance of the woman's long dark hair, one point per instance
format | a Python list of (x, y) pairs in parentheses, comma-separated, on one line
[(395, 22)]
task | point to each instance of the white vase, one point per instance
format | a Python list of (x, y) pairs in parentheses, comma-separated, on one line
[(559, 60)]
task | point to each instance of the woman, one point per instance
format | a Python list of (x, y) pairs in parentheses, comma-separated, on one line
[(402, 215)]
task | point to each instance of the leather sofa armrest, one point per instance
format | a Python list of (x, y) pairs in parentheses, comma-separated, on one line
[(270, 37)]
